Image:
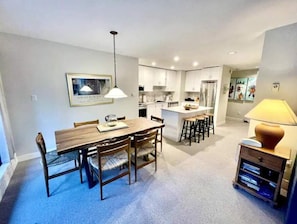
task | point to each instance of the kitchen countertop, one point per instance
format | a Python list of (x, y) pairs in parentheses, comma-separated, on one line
[(181, 109), (147, 103)]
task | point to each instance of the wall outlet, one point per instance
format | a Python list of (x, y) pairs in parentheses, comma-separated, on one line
[(33, 98)]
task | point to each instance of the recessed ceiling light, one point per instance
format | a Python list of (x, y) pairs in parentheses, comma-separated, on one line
[(195, 63), (176, 58), (153, 63), (172, 67), (232, 52)]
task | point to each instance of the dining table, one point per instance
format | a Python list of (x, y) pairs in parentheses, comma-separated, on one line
[(86, 136)]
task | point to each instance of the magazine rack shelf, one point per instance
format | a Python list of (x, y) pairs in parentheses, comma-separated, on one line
[(260, 171)]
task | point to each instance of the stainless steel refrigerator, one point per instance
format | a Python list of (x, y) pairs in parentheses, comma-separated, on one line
[(208, 92)]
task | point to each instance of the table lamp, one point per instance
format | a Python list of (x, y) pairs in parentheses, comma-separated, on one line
[(274, 113)]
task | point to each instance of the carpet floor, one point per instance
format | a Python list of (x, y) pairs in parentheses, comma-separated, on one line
[(193, 184)]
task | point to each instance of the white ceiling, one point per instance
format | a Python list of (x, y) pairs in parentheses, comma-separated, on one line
[(155, 30)]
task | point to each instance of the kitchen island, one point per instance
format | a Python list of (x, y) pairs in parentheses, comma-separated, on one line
[(173, 119)]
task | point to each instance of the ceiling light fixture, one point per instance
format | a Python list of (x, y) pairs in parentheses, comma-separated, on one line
[(153, 63), (115, 92), (172, 67), (195, 63), (232, 52), (176, 58)]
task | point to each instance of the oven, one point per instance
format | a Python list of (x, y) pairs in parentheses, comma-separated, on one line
[(142, 110)]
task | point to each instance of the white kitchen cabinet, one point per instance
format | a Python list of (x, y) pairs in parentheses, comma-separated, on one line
[(146, 77), (158, 108), (193, 79), (155, 109), (211, 73), (150, 110), (171, 81), (159, 77)]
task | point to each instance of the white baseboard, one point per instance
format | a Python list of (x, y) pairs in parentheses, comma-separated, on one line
[(6, 172), (28, 156), (235, 119)]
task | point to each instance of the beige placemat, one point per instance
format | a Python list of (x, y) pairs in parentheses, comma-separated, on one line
[(105, 127)]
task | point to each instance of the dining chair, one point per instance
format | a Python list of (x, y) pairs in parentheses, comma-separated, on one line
[(113, 154), (79, 124), (52, 159), (160, 131), (145, 147)]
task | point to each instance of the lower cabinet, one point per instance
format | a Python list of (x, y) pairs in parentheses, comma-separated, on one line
[(155, 109), (260, 171)]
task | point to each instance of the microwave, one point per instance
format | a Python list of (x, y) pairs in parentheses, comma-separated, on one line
[(141, 88)]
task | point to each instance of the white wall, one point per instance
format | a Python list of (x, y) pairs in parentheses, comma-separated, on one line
[(223, 96), (279, 64), (30, 66)]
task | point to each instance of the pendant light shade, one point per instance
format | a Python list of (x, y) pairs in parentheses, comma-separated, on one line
[(115, 92)]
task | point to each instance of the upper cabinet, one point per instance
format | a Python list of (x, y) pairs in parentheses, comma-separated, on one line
[(150, 77), (213, 73), (193, 80), (145, 77), (171, 81), (159, 77)]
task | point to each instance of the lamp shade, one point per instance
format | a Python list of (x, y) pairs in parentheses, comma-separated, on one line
[(115, 93), (273, 111)]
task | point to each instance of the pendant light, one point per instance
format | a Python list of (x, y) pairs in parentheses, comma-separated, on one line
[(115, 92)]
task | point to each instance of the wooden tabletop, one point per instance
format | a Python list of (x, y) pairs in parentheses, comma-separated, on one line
[(85, 136)]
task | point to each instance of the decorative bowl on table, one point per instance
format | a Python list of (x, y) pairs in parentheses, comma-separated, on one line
[(187, 107), (194, 106)]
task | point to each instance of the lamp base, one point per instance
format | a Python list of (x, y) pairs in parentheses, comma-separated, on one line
[(269, 135)]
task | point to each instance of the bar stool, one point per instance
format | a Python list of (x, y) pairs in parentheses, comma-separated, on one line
[(206, 124), (210, 122), (200, 127), (188, 131)]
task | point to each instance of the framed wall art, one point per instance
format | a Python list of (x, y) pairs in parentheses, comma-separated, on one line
[(251, 89), (242, 89), (87, 89), (232, 89)]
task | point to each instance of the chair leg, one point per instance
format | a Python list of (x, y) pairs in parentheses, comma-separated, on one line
[(135, 162), (80, 169), (182, 133), (46, 180), (100, 181), (161, 140), (47, 186), (156, 160)]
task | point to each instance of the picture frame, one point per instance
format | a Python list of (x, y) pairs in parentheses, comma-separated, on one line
[(88, 89), (251, 89), (232, 89), (242, 89)]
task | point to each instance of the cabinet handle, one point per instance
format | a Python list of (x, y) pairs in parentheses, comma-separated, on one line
[(260, 159)]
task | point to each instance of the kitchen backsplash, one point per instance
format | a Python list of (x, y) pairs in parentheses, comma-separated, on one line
[(154, 96)]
